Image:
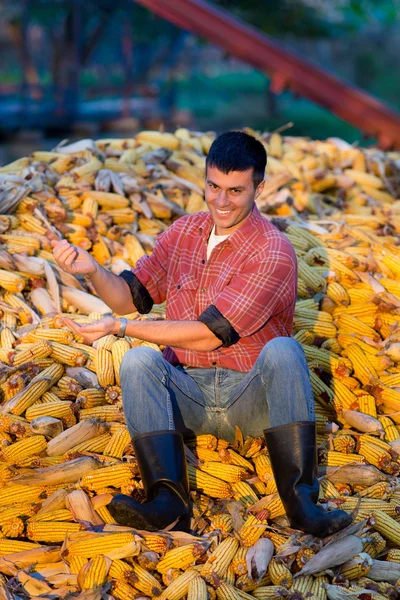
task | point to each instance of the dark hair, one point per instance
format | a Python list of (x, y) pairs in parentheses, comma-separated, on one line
[(238, 151)]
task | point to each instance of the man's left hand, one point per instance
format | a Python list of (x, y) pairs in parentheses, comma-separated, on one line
[(94, 331)]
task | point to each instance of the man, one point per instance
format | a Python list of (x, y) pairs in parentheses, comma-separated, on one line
[(229, 279)]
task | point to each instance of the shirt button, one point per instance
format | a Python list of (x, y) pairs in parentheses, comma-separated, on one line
[(214, 363), (203, 261), (178, 287), (203, 289)]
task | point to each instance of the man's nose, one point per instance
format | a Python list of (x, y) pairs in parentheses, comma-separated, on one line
[(222, 199)]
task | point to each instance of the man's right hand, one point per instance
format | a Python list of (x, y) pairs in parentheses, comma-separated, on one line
[(72, 259)]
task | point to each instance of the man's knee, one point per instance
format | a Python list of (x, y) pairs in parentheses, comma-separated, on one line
[(283, 352), (139, 357)]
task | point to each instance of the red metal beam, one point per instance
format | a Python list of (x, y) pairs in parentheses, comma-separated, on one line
[(285, 69)]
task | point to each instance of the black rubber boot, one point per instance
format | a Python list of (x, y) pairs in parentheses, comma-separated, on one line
[(293, 456), (162, 465)]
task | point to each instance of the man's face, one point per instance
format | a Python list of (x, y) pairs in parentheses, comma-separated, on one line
[(230, 198)]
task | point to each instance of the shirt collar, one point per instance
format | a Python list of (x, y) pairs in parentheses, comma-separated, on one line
[(238, 237)]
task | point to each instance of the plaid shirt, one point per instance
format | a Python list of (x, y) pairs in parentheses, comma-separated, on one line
[(245, 293)]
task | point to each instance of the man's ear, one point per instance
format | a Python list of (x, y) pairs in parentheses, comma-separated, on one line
[(259, 188)]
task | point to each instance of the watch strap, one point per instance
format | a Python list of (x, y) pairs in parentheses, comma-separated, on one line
[(122, 327)]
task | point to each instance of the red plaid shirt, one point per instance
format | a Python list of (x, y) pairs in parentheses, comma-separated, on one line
[(251, 278)]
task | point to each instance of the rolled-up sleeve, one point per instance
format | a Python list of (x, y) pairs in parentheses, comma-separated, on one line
[(219, 325), (265, 287)]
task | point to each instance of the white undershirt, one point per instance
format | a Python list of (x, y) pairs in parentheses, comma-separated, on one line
[(213, 241)]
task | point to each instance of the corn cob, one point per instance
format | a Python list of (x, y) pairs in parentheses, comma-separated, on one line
[(104, 413), (104, 367), (114, 475), (181, 557), (179, 587), (13, 528), (375, 545), (197, 589), (13, 546), (243, 492), (52, 531), (59, 410), (280, 574), (239, 564), (117, 443), (99, 544), (123, 591), (220, 559), (118, 350), (207, 484), (11, 282), (39, 384), (67, 355), (16, 452), (222, 522), (96, 444), (229, 473), (252, 530), (344, 443)]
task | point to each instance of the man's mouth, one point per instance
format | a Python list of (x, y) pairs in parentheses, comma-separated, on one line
[(223, 212)]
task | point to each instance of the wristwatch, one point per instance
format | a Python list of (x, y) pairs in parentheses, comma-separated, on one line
[(122, 328)]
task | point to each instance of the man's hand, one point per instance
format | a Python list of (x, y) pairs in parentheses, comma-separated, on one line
[(72, 259), (94, 331)]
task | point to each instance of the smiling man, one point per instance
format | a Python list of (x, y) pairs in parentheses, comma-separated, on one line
[(229, 279)]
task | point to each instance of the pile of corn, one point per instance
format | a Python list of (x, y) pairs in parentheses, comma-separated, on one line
[(65, 449)]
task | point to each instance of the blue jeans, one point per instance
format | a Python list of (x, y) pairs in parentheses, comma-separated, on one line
[(157, 396)]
